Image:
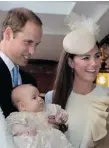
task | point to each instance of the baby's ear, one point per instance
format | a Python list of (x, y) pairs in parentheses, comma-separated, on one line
[(21, 106)]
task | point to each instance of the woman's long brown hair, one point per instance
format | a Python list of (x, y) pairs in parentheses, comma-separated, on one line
[(64, 80)]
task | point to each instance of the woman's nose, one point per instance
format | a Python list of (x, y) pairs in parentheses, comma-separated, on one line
[(93, 61)]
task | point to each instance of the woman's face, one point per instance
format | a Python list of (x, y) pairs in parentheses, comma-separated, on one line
[(87, 66)]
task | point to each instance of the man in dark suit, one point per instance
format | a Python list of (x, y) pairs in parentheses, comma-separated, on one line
[(21, 33)]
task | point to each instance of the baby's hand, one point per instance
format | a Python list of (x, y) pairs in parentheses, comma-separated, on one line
[(61, 117), (31, 132), (52, 121)]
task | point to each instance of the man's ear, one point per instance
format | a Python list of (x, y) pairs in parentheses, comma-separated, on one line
[(21, 106), (8, 33), (70, 63)]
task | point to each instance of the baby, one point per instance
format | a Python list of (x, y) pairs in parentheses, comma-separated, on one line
[(30, 127)]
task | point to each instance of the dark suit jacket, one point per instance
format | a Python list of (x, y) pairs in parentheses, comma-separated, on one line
[(6, 87)]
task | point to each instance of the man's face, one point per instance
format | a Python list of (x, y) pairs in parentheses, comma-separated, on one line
[(24, 44)]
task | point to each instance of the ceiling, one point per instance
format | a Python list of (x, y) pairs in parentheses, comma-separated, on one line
[(53, 14)]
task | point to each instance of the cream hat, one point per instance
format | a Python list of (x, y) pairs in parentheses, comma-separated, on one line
[(82, 38)]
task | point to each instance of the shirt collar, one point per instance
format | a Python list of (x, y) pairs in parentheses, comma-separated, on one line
[(7, 61)]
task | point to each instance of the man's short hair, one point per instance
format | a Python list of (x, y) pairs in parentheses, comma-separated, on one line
[(17, 18)]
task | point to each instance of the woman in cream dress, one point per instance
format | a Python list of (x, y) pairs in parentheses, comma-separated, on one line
[(86, 103)]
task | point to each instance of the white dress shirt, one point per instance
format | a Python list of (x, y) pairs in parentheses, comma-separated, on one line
[(10, 66)]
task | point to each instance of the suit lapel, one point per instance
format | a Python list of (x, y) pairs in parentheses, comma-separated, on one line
[(5, 75)]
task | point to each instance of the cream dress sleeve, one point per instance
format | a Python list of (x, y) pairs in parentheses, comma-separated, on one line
[(97, 130), (88, 121)]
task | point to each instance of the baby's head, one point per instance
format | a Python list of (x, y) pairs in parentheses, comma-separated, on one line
[(25, 97)]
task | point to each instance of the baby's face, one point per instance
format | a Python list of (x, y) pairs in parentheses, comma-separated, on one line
[(33, 103)]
